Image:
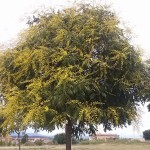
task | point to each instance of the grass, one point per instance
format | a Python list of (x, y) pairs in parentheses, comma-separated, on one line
[(111, 141), (121, 144), (103, 146), (113, 147)]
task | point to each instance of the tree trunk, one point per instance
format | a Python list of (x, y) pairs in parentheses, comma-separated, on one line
[(68, 134), (19, 141)]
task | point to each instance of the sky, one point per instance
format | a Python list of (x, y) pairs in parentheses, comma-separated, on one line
[(134, 13)]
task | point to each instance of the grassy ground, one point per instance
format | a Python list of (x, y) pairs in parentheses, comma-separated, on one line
[(104, 146)]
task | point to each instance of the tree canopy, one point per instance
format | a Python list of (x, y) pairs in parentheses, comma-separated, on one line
[(76, 65), (146, 134)]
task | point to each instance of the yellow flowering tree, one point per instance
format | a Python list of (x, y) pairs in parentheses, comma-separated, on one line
[(76, 69)]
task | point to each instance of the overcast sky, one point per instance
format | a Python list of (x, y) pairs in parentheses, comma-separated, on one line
[(135, 13)]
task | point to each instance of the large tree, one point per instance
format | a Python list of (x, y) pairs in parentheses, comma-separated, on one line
[(74, 68)]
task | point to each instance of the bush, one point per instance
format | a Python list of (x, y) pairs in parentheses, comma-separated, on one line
[(75, 141), (29, 144), (50, 143), (146, 134), (9, 143), (59, 138), (13, 144), (2, 143), (39, 142)]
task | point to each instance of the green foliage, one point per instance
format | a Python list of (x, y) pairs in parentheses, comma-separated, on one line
[(2, 143), (75, 140), (5, 143), (146, 134), (60, 138), (147, 84), (75, 63)]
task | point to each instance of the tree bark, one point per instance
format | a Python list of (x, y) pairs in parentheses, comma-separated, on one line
[(68, 134), (19, 141)]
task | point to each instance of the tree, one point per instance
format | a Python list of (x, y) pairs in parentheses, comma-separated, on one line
[(24, 139), (146, 134), (1, 128), (147, 89), (12, 118), (75, 68), (60, 138), (15, 124)]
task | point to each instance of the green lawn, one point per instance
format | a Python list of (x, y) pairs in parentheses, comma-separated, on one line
[(142, 146)]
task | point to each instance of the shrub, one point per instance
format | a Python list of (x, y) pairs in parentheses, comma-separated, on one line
[(29, 144), (9, 143), (75, 141), (146, 134), (13, 144), (39, 142), (59, 138), (2, 143), (50, 143)]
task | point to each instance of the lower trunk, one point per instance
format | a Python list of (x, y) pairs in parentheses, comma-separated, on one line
[(68, 134), (19, 141)]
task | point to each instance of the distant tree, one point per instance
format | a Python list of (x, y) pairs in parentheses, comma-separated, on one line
[(24, 139), (75, 68), (13, 123), (60, 138), (146, 134)]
